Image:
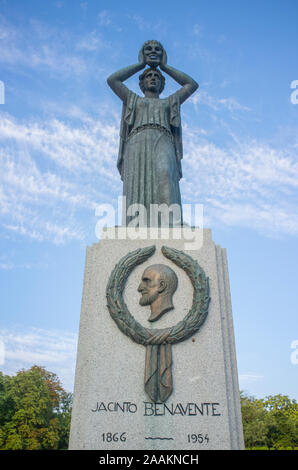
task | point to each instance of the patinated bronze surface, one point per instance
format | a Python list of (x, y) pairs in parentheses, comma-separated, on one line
[(158, 365), (150, 150), (157, 287)]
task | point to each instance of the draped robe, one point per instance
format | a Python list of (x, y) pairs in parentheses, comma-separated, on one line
[(150, 152)]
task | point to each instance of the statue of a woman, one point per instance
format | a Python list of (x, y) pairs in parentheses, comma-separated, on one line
[(150, 150)]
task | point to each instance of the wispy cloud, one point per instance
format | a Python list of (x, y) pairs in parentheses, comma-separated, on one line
[(92, 41), (246, 379), (52, 170), (42, 48), (144, 24), (69, 146), (198, 29), (104, 18), (8, 266), (56, 169), (53, 349), (215, 103), (249, 184)]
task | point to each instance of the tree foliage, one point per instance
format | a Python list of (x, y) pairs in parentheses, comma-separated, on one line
[(253, 420), (34, 411), (271, 422)]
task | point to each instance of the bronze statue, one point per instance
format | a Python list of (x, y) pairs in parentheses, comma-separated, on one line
[(158, 284), (150, 150)]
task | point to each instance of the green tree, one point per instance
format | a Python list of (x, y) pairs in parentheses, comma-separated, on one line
[(34, 411), (282, 417), (64, 417), (254, 421), (271, 422)]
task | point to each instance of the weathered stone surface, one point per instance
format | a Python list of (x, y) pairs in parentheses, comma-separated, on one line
[(110, 366)]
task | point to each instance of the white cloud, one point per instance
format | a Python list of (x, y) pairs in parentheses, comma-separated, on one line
[(230, 103), (55, 171), (51, 171), (143, 24), (248, 184), (104, 18), (250, 378), (41, 47), (8, 266), (92, 41), (72, 147), (198, 30), (52, 349)]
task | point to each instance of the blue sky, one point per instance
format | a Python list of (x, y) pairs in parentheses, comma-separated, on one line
[(58, 147)]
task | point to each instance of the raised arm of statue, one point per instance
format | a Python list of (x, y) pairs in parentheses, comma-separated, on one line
[(189, 85), (150, 150), (115, 80)]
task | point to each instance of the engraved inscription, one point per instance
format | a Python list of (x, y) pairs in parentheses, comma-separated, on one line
[(124, 407), (197, 438), (188, 409), (159, 409)]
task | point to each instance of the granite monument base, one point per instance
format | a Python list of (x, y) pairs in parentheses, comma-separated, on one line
[(111, 409)]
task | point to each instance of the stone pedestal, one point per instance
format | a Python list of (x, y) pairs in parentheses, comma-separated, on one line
[(111, 409)]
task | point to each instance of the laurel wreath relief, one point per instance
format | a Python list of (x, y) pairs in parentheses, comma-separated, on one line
[(158, 341)]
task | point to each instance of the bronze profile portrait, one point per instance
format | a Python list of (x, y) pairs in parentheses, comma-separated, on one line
[(158, 285)]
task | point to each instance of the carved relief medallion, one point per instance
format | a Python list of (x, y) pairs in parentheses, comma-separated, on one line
[(157, 286)]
